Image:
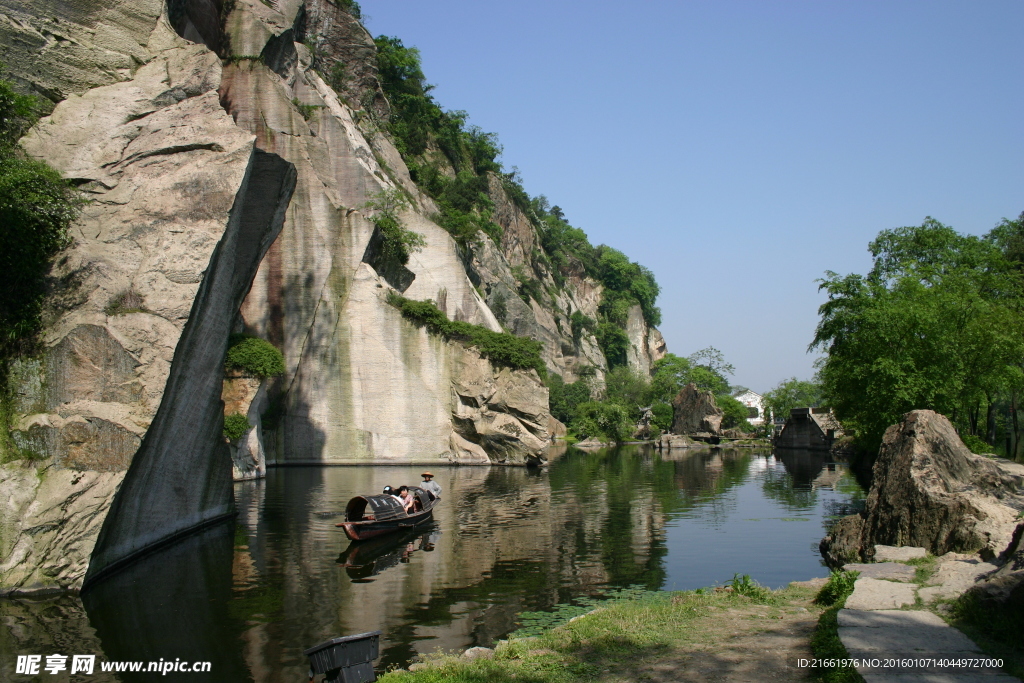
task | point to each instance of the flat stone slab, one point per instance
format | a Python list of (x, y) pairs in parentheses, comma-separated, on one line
[(953, 578), (891, 553), (889, 618), (894, 571), (947, 676), (810, 583), (900, 634), (874, 594)]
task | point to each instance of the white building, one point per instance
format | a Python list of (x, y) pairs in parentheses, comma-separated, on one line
[(755, 402)]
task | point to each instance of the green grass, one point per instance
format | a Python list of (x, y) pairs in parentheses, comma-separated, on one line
[(619, 640), (825, 642), (996, 631)]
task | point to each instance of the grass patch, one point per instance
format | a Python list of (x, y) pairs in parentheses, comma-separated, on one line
[(825, 642), (996, 631), (307, 110), (631, 633), (501, 348), (123, 303), (744, 585)]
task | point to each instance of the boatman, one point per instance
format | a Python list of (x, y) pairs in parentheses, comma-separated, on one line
[(428, 484)]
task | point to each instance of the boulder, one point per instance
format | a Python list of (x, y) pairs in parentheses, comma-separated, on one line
[(502, 411), (1001, 593), (695, 410), (667, 442), (929, 490)]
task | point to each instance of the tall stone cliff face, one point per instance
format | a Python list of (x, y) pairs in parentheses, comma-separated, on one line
[(126, 396), (227, 182)]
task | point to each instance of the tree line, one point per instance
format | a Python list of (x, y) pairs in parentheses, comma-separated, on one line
[(937, 323)]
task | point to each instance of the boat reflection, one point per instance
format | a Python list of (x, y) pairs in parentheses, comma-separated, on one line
[(365, 559)]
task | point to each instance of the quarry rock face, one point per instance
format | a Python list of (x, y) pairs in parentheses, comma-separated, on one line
[(929, 490), (228, 167), (695, 411), (167, 171)]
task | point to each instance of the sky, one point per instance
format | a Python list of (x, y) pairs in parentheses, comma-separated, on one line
[(740, 149)]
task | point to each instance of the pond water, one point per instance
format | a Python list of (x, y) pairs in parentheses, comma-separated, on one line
[(252, 596)]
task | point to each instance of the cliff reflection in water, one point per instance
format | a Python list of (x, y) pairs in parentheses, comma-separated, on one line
[(506, 540)]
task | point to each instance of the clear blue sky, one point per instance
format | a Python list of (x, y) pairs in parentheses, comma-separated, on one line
[(740, 149)]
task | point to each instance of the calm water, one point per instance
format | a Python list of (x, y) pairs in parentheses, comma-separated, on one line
[(250, 598)]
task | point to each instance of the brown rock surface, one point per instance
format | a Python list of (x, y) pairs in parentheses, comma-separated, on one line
[(694, 410), (929, 490)]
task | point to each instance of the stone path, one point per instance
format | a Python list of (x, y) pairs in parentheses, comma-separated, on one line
[(872, 626)]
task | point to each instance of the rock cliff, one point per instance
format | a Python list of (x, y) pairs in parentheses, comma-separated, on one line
[(228, 182), (928, 490)]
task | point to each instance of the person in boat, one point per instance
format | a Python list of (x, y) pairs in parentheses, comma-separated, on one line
[(408, 500), (430, 486)]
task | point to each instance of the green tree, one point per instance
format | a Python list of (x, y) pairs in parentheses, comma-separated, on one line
[(563, 398), (935, 324), (668, 376), (398, 243), (734, 413), (628, 388), (608, 420), (789, 394)]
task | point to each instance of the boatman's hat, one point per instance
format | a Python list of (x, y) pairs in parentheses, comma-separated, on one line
[(426, 474)]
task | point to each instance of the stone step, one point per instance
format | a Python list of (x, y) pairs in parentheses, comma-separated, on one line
[(876, 594)]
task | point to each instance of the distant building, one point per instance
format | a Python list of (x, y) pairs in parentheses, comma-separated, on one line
[(812, 429), (755, 406)]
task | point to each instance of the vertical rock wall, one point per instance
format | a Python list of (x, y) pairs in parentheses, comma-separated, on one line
[(167, 172), (362, 384), (199, 135)]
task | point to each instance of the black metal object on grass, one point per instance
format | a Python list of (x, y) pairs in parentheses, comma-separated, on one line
[(346, 660)]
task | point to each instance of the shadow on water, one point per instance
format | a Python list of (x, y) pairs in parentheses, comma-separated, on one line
[(172, 604)]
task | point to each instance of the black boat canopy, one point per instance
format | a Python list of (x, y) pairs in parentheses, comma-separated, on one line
[(384, 507)]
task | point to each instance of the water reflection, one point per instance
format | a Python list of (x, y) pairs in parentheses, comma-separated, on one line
[(506, 540), (363, 560), (173, 605)]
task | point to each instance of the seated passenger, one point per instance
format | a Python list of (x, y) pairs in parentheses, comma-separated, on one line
[(408, 500)]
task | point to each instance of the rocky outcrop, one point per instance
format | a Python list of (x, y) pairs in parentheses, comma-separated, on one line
[(695, 411), (667, 442), (247, 396), (168, 173), (226, 195), (1001, 593), (362, 384), (504, 412), (929, 490), (71, 47)]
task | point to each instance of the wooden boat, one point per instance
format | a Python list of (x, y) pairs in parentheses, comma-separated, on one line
[(373, 516)]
